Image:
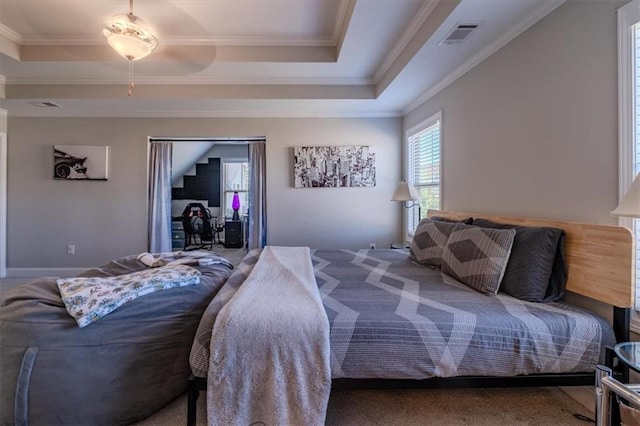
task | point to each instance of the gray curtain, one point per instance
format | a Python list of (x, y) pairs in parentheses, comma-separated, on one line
[(257, 237), (160, 197)]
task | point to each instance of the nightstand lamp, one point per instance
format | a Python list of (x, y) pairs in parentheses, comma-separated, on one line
[(629, 206), (407, 192)]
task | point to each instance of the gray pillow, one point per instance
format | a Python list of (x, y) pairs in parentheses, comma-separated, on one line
[(536, 271), (429, 240), (478, 256)]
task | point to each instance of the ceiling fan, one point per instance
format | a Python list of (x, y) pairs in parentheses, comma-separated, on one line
[(130, 37), (163, 55)]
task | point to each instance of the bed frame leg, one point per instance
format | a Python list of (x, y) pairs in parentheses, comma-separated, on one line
[(192, 399), (621, 321), (621, 328)]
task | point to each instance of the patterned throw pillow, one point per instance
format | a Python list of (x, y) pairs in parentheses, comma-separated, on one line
[(429, 240), (478, 256)]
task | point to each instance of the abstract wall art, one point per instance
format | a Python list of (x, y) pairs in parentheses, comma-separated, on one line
[(334, 166)]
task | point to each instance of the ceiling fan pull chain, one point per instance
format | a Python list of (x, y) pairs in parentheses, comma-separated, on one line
[(131, 84)]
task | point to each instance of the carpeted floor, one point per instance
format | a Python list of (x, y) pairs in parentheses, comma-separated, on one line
[(443, 407)]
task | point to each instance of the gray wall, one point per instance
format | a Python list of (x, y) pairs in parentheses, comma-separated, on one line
[(106, 220), (532, 131), (184, 156)]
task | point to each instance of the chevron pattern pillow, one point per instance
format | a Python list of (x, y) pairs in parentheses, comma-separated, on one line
[(429, 240), (478, 256)]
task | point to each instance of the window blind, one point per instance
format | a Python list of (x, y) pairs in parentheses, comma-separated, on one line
[(423, 172)]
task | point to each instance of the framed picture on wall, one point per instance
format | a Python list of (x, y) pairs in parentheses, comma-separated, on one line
[(80, 162), (334, 166)]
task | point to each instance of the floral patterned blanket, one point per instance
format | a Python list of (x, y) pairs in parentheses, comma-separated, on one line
[(88, 299)]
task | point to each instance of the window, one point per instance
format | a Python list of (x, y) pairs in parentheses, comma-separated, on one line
[(423, 168), (629, 120), (236, 178)]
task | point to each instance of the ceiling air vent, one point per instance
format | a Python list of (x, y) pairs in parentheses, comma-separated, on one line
[(45, 104), (459, 33)]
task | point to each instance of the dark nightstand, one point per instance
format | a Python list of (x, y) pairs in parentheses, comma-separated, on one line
[(233, 235)]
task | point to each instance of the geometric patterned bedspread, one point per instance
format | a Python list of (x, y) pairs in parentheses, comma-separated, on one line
[(392, 318)]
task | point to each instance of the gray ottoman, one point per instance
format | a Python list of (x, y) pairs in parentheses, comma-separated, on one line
[(120, 369)]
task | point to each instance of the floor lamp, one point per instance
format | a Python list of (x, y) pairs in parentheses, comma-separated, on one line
[(406, 192)]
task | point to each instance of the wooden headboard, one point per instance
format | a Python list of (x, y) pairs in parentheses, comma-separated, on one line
[(599, 258)]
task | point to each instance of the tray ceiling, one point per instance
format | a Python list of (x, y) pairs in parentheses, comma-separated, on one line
[(249, 57)]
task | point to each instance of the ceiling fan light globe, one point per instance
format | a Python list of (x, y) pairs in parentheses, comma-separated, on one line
[(129, 36), (130, 48)]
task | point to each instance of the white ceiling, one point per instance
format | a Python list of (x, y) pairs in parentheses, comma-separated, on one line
[(262, 58)]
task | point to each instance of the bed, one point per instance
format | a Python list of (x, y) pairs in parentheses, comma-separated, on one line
[(121, 368), (396, 323)]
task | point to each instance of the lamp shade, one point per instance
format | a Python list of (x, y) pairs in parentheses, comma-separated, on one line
[(130, 36), (235, 203), (405, 192), (629, 206)]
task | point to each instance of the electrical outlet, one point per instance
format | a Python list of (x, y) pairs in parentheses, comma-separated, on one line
[(71, 249), (372, 246)]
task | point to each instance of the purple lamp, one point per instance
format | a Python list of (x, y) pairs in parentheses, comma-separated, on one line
[(235, 205)]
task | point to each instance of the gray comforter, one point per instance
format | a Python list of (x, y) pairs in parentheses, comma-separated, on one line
[(392, 318)]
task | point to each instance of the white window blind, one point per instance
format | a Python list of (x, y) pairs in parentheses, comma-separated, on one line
[(424, 164)]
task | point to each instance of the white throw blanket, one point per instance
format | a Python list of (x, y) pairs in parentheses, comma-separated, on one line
[(270, 347)]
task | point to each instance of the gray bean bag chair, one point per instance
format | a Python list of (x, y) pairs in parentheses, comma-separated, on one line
[(120, 369)]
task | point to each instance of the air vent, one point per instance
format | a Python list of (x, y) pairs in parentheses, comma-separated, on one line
[(45, 104), (459, 33)]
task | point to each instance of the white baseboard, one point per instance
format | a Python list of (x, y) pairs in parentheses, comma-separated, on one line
[(44, 272)]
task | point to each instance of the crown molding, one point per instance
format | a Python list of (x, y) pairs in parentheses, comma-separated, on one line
[(341, 22), (10, 34), (187, 41), (345, 13), (207, 114), (413, 27), (193, 80), (484, 53)]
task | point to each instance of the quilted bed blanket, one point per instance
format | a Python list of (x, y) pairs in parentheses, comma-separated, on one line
[(270, 360)]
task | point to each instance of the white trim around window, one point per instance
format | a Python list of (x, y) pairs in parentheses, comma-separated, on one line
[(227, 194)]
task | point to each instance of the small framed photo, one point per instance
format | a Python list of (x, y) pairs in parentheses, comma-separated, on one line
[(80, 162)]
